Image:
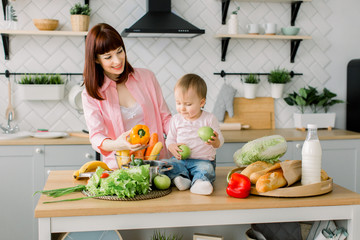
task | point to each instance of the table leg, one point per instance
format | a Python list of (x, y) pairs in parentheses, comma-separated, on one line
[(354, 223), (44, 229)]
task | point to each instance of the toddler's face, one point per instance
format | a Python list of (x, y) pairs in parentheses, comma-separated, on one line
[(188, 104)]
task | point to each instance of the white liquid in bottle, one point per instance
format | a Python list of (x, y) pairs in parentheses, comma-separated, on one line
[(311, 157)]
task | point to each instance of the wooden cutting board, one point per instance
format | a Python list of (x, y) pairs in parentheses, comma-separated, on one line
[(258, 112)]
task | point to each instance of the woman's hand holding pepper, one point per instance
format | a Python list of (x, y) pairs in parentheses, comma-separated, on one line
[(121, 143), (214, 141)]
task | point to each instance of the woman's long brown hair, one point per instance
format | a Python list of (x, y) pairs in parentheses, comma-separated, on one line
[(102, 38)]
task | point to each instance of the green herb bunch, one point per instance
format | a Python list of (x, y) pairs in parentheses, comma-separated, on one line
[(13, 15), (252, 79), (279, 76), (79, 9), (310, 98), (162, 236), (236, 11), (41, 79)]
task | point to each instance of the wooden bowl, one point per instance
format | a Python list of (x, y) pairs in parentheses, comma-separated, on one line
[(46, 24)]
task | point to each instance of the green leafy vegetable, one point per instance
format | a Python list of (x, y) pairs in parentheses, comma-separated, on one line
[(123, 182), (267, 149)]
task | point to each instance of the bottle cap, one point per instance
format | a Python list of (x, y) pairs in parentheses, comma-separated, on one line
[(312, 126)]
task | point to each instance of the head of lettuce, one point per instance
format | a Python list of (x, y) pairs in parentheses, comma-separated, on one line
[(267, 149)]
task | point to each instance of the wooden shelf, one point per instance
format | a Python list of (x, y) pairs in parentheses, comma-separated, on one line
[(294, 40), (295, 6), (5, 36), (263, 36), (43, 33), (275, 1)]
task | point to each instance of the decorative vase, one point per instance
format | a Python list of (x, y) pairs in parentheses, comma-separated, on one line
[(322, 120), (277, 90), (41, 91), (80, 23), (250, 90), (233, 24)]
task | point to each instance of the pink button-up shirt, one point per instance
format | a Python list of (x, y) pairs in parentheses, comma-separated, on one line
[(104, 120), (186, 132)]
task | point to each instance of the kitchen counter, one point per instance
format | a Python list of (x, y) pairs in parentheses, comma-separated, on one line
[(74, 138), (290, 134), (187, 209)]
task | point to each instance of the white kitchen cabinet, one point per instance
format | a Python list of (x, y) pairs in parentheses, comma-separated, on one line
[(224, 155), (66, 157), (24, 171), (340, 159), (21, 168)]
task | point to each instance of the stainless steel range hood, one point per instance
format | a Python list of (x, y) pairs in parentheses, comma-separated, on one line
[(159, 21)]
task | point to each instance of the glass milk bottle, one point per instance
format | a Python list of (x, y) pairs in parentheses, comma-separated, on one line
[(311, 157)]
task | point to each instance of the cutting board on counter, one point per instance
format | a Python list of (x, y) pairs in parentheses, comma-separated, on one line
[(258, 112)]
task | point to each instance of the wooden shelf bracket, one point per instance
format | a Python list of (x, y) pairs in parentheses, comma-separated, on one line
[(224, 7), (5, 40), (294, 45), (224, 47), (295, 6)]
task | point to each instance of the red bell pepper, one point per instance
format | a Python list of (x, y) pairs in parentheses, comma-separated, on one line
[(239, 186)]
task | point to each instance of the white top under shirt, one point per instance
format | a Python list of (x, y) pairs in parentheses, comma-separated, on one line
[(184, 131), (132, 116)]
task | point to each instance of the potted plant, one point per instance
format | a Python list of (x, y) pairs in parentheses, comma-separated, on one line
[(41, 87), (251, 83), (277, 79), (233, 22), (162, 236), (309, 99), (80, 17)]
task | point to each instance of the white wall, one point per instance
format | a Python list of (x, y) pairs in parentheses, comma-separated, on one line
[(332, 24)]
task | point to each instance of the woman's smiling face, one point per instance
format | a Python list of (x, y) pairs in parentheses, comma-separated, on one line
[(112, 62)]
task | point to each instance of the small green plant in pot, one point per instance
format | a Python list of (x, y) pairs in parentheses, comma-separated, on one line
[(41, 87), (277, 79), (162, 236), (251, 83), (309, 99), (80, 17)]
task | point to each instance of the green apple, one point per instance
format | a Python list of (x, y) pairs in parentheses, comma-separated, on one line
[(186, 152), (162, 182), (205, 133)]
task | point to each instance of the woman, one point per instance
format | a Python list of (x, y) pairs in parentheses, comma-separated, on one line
[(117, 96)]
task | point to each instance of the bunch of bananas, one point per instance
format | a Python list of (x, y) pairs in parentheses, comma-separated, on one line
[(90, 167)]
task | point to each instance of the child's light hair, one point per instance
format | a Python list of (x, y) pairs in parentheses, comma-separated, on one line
[(192, 81)]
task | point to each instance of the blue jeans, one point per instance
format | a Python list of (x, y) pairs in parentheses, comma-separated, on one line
[(192, 169)]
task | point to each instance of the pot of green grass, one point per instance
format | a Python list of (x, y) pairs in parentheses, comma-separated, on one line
[(251, 83), (277, 79), (41, 87)]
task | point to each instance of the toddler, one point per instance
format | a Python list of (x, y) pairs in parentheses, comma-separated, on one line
[(198, 171)]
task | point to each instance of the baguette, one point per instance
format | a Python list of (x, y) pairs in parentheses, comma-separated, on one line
[(256, 175), (324, 175), (270, 181), (255, 167)]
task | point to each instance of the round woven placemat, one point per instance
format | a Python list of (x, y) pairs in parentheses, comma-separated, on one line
[(151, 195)]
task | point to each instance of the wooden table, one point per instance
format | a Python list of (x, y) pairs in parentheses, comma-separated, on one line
[(183, 209)]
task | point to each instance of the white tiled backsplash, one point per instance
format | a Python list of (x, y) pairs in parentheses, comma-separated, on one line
[(168, 58)]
